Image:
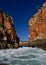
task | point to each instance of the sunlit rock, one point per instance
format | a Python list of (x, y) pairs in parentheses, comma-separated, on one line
[(37, 24)]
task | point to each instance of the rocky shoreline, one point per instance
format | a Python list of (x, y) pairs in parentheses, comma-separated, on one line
[(39, 43), (4, 44)]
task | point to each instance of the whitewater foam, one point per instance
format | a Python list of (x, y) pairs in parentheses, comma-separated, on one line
[(23, 56)]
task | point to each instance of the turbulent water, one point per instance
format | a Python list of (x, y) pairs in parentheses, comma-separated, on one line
[(23, 56)]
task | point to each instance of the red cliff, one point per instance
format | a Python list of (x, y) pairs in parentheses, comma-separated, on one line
[(37, 24), (7, 30)]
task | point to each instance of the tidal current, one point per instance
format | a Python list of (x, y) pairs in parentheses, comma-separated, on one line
[(23, 56)]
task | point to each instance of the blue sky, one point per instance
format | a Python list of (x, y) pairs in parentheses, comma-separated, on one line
[(21, 11)]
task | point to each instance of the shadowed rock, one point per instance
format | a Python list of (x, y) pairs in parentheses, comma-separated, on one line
[(7, 31)]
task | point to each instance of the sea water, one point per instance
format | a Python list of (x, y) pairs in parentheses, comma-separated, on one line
[(23, 56)]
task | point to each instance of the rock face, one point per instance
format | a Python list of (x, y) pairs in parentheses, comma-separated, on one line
[(37, 24), (7, 31)]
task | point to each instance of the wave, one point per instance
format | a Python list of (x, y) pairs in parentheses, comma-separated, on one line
[(22, 55)]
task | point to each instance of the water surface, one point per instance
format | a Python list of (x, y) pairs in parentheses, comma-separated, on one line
[(23, 56)]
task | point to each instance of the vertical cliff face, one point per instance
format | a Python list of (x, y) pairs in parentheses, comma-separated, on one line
[(37, 24), (7, 31)]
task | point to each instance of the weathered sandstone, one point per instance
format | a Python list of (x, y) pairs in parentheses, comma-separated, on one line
[(8, 36)]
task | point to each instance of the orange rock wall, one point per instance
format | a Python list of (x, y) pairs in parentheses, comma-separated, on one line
[(37, 24), (7, 26)]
